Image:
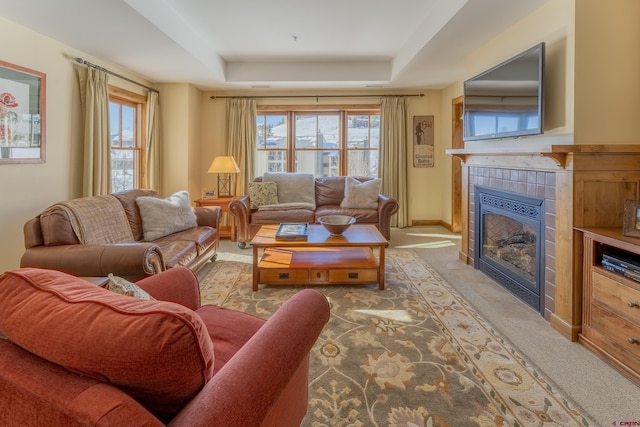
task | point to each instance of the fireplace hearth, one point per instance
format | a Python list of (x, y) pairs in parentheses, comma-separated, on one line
[(510, 242)]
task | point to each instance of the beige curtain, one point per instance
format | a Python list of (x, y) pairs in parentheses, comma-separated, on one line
[(97, 148), (393, 155), (241, 139), (153, 142)]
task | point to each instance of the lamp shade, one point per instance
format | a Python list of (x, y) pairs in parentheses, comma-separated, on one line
[(224, 164)]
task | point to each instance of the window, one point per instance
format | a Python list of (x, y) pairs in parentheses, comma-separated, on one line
[(126, 113), (327, 143)]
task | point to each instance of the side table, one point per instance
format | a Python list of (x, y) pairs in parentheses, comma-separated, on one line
[(223, 204)]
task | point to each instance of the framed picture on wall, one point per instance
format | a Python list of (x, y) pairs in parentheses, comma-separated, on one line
[(423, 141), (22, 114)]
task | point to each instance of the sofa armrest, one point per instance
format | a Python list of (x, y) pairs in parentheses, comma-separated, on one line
[(244, 391), (129, 260), (208, 215), (241, 209), (177, 284), (386, 208)]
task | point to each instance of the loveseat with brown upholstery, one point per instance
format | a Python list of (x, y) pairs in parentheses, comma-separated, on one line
[(95, 236), (76, 354), (302, 198)]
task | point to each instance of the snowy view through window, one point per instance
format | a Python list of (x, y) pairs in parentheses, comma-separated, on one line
[(317, 148), (123, 155)]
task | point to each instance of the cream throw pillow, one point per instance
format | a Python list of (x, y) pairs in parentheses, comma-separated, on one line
[(161, 217), (361, 195), (263, 193), (294, 187), (124, 287)]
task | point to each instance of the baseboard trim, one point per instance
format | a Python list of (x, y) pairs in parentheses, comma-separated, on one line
[(568, 331), (417, 222)]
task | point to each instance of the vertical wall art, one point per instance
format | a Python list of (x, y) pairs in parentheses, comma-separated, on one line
[(423, 141), (22, 112)]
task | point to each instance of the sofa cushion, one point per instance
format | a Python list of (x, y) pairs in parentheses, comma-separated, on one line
[(278, 216), (293, 187), (177, 252), (159, 352), (161, 217), (263, 193), (329, 190), (362, 195), (229, 330)]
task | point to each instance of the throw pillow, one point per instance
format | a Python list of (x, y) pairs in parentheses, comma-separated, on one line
[(263, 193), (124, 287), (293, 187), (361, 195), (161, 217)]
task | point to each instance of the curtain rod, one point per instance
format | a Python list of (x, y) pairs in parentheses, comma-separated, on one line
[(310, 96), (89, 64)]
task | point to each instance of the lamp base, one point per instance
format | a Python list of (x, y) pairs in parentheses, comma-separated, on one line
[(224, 186)]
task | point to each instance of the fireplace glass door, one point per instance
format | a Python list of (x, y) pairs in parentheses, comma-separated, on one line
[(509, 244)]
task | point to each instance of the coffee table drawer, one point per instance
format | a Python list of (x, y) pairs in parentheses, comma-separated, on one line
[(318, 276), (276, 275), (353, 276)]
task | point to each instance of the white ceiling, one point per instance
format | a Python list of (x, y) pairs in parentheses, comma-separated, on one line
[(293, 44)]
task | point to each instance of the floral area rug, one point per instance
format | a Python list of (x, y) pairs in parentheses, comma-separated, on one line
[(415, 354)]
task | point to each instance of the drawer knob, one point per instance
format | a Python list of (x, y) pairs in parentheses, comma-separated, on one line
[(633, 340), (633, 304)]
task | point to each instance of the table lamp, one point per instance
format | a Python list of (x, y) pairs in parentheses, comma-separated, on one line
[(224, 165)]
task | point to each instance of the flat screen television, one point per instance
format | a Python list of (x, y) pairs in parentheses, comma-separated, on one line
[(506, 100)]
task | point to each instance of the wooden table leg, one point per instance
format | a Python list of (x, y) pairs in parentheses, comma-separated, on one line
[(381, 269), (255, 268)]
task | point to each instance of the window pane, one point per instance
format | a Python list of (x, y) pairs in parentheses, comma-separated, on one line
[(358, 132), (374, 133), (318, 162), (306, 131), (128, 129), (328, 131), (114, 124), (122, 170), (270, 161), (363, 163)]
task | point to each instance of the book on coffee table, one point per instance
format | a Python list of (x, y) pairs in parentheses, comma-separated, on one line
[(296, 231)]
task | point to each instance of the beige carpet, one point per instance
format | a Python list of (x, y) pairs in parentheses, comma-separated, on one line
[(415, 354)]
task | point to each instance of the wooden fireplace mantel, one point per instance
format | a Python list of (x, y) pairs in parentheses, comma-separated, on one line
[(561, 154)]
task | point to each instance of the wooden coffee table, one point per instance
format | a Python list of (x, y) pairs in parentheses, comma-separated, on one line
[(321, 259)]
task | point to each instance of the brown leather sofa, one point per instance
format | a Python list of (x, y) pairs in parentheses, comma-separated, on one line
[(329, 192), (52, 242), (76, 354)]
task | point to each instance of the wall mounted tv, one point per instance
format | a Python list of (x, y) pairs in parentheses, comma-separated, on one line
[(506, 101)]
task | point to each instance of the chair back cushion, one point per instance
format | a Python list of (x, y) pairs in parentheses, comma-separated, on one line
[(158, 352)]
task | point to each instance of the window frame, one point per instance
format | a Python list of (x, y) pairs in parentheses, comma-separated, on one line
[(127, 98), (291, 112)]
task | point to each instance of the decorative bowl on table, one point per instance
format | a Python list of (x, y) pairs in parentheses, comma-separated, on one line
[(336, 224)]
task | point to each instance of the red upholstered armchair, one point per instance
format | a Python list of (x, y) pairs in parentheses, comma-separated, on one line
[(75, 354)]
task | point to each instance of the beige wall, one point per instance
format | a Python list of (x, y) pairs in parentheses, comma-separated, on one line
[(607, 88), (26, 189)]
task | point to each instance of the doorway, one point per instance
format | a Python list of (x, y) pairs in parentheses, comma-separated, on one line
[(456, 169)]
